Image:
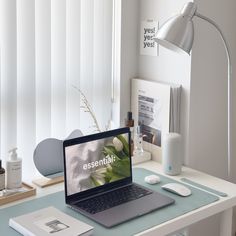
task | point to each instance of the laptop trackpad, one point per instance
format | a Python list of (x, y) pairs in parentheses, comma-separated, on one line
[(132, 209)]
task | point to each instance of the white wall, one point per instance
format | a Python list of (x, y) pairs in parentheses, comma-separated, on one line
[(213, 88), (168, 67), (208, 105)]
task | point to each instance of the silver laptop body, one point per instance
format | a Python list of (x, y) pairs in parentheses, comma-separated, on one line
[(98, 179)]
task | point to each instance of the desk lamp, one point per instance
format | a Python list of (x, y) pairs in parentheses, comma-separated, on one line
[(177, 34)]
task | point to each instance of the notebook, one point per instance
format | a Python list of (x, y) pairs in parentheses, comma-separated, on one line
[(49, 221), (98, 179)]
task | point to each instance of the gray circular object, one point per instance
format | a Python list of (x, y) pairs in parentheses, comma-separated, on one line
[(48, 156)]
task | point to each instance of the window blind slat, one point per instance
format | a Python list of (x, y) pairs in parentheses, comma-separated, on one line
[(58, 68), (73, 29), (102, 60), (26, 84), (8, 76), (86, 59), (43, 68)]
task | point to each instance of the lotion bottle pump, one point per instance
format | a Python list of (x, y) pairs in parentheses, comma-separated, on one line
[(14, 170)]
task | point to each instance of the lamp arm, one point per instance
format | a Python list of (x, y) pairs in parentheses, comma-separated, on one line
[(229, 85)]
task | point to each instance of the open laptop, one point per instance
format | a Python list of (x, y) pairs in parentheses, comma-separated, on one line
[(98, 179)]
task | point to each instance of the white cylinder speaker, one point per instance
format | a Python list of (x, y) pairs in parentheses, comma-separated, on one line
[(172, 153)]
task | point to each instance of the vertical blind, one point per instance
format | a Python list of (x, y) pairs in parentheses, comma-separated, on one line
[(49, 47)]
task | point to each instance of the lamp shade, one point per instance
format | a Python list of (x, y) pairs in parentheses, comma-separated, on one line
[(177, 33)]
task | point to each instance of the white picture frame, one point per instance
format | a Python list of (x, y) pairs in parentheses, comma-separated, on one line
[(150, 103), (148, 30)]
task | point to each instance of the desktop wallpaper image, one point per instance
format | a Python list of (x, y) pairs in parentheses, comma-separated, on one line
[(96, 163)]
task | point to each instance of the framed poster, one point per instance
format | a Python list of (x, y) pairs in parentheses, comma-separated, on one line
[(151, 109), (148, 31)]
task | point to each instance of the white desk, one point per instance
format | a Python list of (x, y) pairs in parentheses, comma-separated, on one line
[(224, 205)]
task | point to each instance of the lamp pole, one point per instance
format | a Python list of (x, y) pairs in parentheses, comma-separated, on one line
[(177, 34), (226, 46)]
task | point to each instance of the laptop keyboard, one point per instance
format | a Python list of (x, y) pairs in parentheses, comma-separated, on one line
[(113, 198)]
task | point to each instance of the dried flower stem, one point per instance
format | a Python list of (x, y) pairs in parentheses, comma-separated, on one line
[(87, 108)]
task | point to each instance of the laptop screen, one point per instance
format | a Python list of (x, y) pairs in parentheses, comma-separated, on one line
[(97, 160)]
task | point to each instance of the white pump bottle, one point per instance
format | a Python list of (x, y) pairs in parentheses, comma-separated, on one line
[(14, 170)]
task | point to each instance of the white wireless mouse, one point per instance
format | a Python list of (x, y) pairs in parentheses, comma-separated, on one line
[(178, 189), (152, 179)]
